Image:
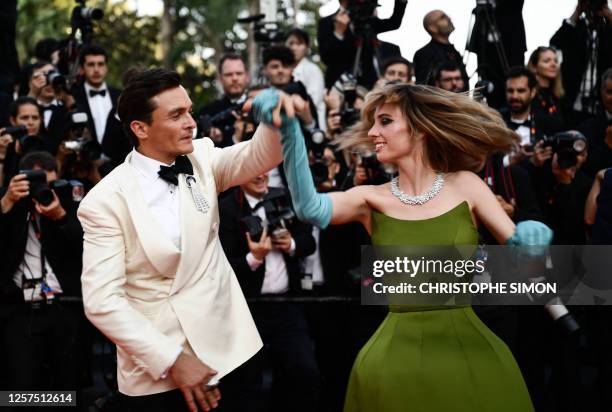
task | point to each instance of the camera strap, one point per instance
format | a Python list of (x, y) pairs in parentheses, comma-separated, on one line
[(40, 287)]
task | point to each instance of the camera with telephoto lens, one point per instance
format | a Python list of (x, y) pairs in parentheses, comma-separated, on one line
[(349, 115), (223, 120), (376, 172), (89, 149), (567, 145), (318, 168), (56, 79), (82, 15), (43, 192), (279, 217), (16, 131)]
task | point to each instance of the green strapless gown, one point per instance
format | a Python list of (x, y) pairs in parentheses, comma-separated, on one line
[(434, 358)]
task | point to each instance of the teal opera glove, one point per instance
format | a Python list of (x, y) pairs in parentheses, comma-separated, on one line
[(310, 206), (533, 235)]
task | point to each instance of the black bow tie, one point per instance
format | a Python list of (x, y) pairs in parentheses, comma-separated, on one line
[(170, 173), (93, 93)]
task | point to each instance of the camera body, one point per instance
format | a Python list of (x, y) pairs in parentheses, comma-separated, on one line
[(279, 216), (56, 79), (361, 11), (42, 192), (16, 131), (567, 146), (221, 120)]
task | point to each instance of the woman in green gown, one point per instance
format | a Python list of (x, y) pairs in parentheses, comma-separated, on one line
[(423, 358)]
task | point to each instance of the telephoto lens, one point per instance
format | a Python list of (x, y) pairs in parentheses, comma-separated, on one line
[(39, 189)]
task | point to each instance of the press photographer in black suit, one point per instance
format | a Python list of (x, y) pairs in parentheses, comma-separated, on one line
[(99, 101), (337, 37), (269, 266), (234, 78), (41, 246)]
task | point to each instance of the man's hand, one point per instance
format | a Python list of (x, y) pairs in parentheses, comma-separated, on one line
[(282, 241), (53, 211), (563, 176), (216, 135), (541, 154), (37, 82), (19, 187), (334, 121), (508, 207), (341, 23), (5, 140), (191, 376), (260, 249)]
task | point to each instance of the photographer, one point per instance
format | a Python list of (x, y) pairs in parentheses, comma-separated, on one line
[(48, 88), (448, 77), (234, 78), (598, 130), (439, 50), (585, 39), (99, 101), (339, 34), (395, 69), (22, 137), (42, 247), (266, 262)]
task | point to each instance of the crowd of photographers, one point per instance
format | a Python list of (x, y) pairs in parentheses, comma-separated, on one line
[(58, 139)]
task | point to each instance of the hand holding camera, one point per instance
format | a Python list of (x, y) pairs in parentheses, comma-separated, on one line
[(261, 248), (19, 188), (281, 240), (541, 154)]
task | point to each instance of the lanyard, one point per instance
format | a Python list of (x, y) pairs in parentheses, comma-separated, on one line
[(38, 234)]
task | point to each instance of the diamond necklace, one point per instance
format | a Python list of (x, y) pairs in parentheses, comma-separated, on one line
[(419, 199)]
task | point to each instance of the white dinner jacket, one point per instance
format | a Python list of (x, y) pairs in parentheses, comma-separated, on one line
[(148, 297)]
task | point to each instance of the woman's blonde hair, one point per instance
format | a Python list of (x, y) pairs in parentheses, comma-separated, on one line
[(556, 86), (460, 133)]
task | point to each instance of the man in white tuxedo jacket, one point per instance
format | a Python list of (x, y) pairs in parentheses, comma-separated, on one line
[(155, 278)]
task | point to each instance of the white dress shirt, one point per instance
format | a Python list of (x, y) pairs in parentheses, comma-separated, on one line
[(312, 77), (161, 197), (31, 267), (276, 277), (100, 106), (47, 113)]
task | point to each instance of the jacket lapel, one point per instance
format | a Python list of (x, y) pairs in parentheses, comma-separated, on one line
[(195, 226), (160, 250)]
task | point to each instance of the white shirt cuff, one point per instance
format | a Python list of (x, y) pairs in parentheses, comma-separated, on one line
[(253, 262), (165, 374), (292, 248)]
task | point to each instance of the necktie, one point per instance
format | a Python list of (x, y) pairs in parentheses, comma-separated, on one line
[(170, 173), (94, 93)]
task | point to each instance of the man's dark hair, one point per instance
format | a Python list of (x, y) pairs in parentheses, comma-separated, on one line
[(45, 48), (135, 102), (396, 60), (229, 56), (521, 71), (44, 160), (282, 53), (447, 66), (92, 50), (22, 101), (302, 35)]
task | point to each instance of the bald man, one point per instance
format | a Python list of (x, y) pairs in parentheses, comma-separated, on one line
[(438, 50)]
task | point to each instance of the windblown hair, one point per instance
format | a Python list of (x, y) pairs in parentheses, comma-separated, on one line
[(556, 84), (459, 132)]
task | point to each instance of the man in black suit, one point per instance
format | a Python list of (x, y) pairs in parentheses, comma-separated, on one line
[(338, 37), (234, 77), (99, 101), (41, 260), (438, 50), (269, 266), (586, 42)]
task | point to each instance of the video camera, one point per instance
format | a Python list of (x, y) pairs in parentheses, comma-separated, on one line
[(264, 32), (87, 148), (43, 192), (81, 23), (279, 217), (567, 145), (361, 11)]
